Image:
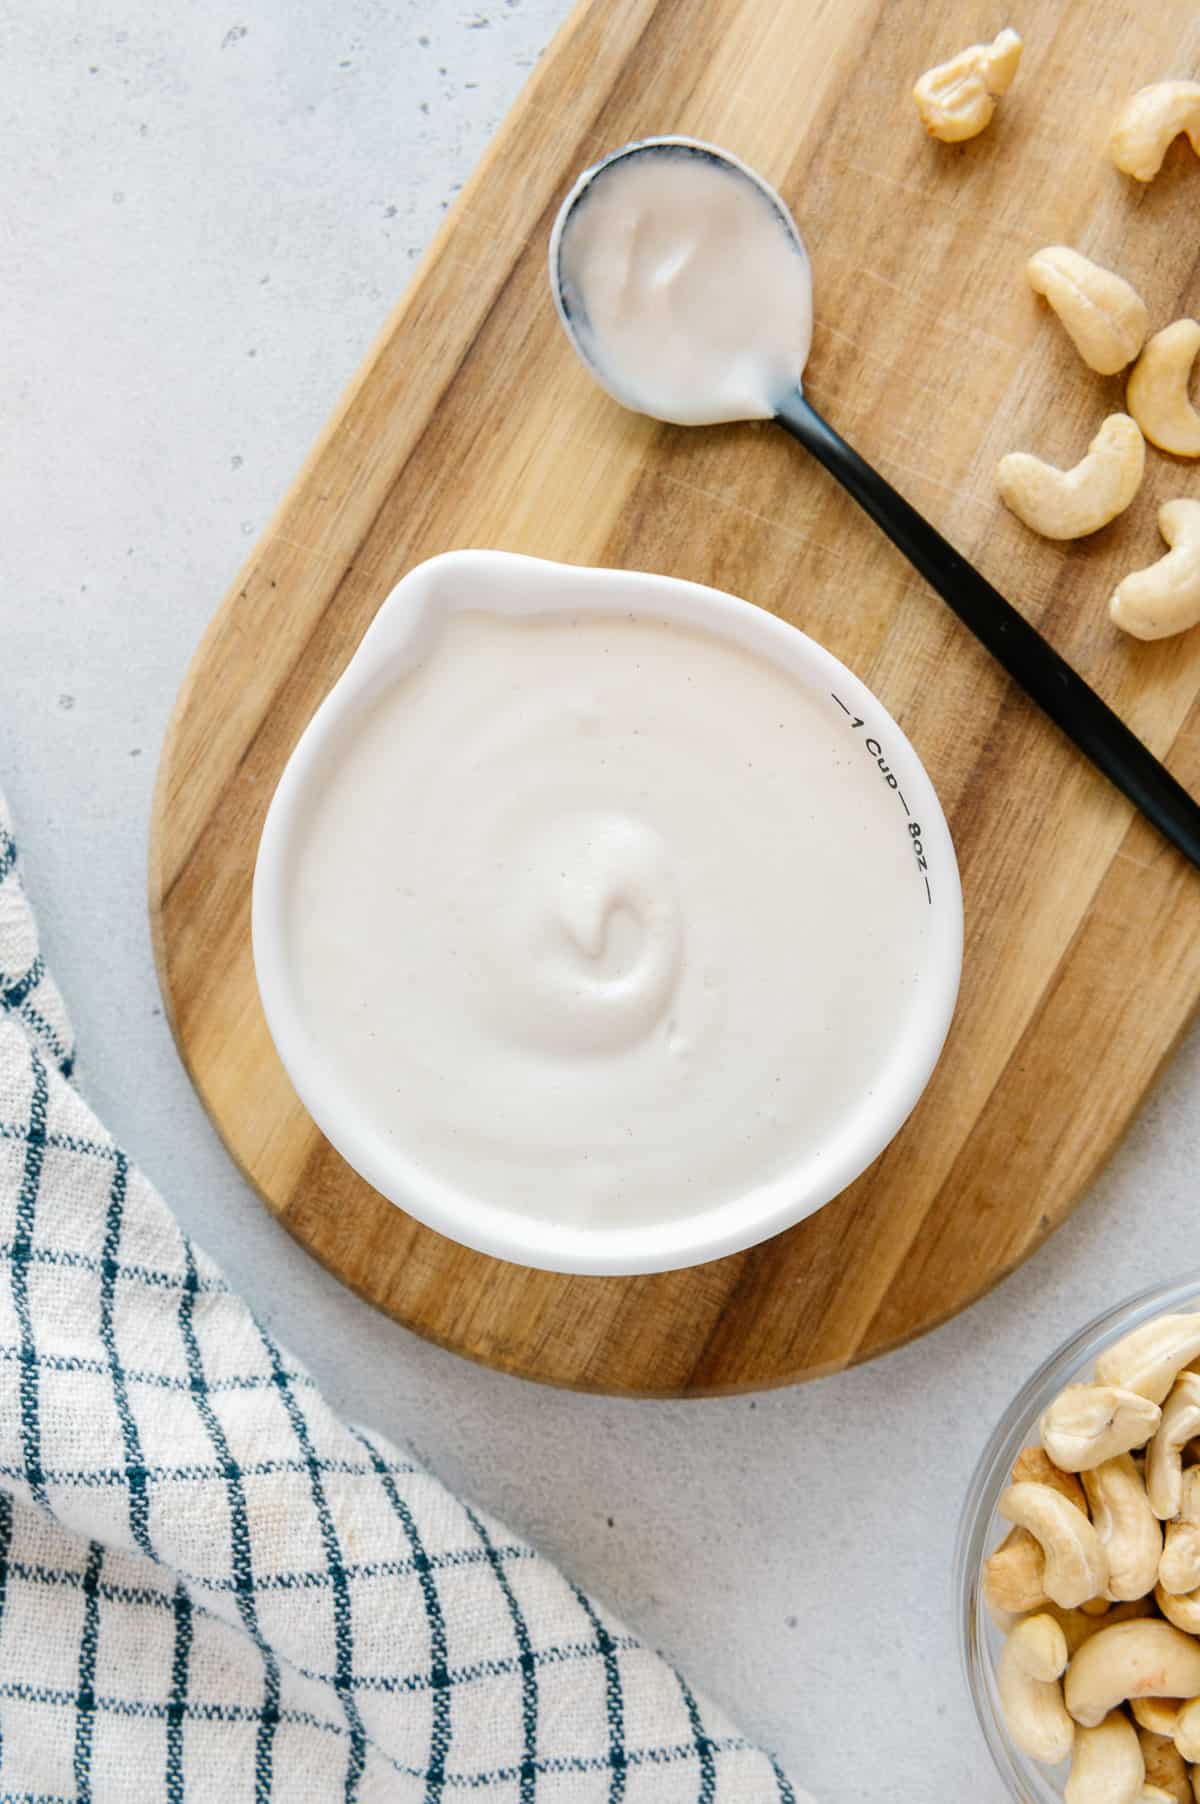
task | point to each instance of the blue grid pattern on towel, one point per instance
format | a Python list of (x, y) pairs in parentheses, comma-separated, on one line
[(211, 1588)]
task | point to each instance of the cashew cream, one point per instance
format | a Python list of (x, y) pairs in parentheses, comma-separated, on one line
[(602, 918), (685, 285)]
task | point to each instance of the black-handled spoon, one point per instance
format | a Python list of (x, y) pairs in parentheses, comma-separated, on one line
[(1028, 658)]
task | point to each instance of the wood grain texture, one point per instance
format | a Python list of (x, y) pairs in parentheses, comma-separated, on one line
[(471, 424)]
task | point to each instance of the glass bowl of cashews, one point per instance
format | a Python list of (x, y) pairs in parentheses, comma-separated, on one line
[(1078, 1565)]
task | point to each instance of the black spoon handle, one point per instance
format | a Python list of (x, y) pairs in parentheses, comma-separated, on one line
[(1028, 658)]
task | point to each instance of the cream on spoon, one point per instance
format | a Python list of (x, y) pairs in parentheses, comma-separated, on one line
[(684, 285)]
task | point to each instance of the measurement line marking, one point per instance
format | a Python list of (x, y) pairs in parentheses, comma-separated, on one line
[(907, 809), (841, 704), (928, 893)]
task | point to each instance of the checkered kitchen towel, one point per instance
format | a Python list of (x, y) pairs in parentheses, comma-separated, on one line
[(213, 1589)]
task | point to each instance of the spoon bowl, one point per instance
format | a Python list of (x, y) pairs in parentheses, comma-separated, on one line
[(692, 327)]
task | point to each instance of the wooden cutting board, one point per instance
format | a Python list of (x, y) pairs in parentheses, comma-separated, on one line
[(470, 424)]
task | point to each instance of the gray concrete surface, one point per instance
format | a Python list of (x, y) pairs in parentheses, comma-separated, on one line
[(206, 214)]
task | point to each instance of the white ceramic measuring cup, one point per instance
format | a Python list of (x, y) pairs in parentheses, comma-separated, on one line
[(853, 729)]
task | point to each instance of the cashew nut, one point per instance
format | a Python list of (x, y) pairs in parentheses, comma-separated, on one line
[(1149, 1359), (1106, 1764), (1184, 1611), (1067, 504), (1164, 1456), (1157, 391), (1034, 1466), (957, 99), (1149, 121), (1187, 1730), (1076, 1567), (1105, 319), (1133, 1659), (1157, 1715), (1165, 1768), (1164, 598), (1179, 1567), (1033, 1660), (1013, 1575), (1127, 1526), (1090, 1423)]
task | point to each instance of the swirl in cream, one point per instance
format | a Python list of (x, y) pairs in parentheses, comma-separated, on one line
[(592, 936), (602, 919)]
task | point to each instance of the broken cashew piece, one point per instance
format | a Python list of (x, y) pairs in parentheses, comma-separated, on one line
[(1104, 317), (1149, 1359), (1164, 598), (1133, 1659), (1179, 1567), (1106, 1764), (1013, 1575), (1164, 1456), (1165, 1767), (1067, 504), (1128, 1528), (1033, 1660), (1149, 121), (1089, 1423), (1157, 391), (1076, 1568), (956, 99)]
